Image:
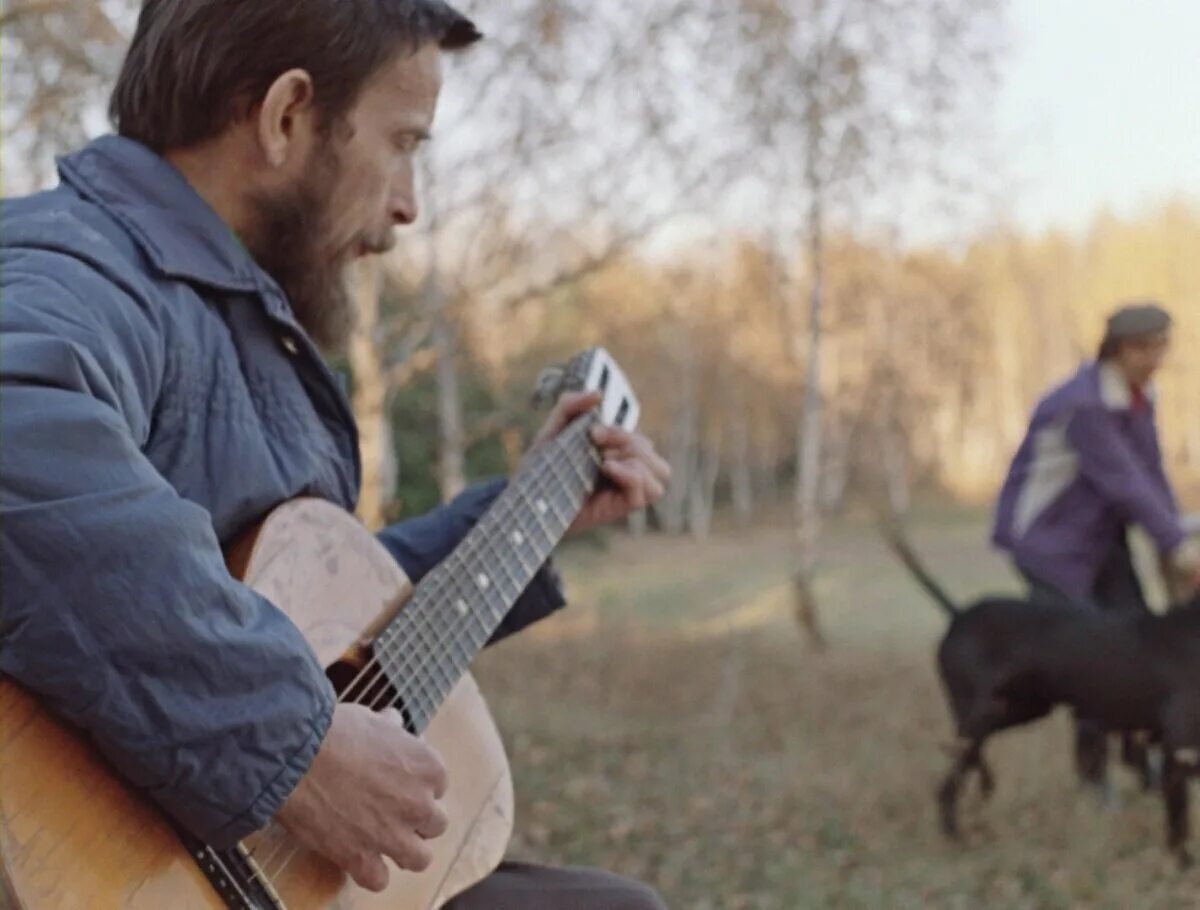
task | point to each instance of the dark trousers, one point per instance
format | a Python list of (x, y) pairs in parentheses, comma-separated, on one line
[(522, 886), (1117, 589)]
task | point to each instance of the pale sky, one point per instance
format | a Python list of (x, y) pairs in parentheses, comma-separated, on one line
[(1099, 107)]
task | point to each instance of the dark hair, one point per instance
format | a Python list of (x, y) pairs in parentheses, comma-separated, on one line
[(1109, 347), (195, 67)]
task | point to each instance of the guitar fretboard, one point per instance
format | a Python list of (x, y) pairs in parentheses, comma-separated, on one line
[(455, 609)]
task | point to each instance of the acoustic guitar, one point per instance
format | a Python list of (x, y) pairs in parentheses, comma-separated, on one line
[(74, 836)]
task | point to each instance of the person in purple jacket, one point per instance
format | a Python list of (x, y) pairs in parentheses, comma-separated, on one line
[(1089, 467)]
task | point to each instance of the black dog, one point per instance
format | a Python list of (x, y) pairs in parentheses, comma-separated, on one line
[(1006, 662)]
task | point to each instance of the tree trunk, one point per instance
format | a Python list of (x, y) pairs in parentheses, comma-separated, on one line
[(451, 438), (683, 459), (702, 490), (741, 472), (370, 397), (766, 468), (895, 472), (681, 452), (808, 442), (835, 468)]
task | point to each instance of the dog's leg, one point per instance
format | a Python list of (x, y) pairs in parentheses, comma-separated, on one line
[(987, 780), (968, 757), (1181, 760), (1175, 796), (1136, 755), (1091, 752)]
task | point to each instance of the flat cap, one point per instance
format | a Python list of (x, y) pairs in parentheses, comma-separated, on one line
[(1137, 319)]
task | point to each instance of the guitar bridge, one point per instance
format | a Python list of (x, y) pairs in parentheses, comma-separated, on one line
[(234, 875)]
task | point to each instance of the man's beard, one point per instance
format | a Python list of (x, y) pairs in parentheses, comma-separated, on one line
[(289, 243)]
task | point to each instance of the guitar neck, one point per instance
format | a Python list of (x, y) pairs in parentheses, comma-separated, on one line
[(455, 609)]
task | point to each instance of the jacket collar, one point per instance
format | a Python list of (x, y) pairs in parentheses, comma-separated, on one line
[(1115, 392), (181, 235)]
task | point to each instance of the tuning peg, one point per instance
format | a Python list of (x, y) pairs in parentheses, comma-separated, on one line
[(549, 386)]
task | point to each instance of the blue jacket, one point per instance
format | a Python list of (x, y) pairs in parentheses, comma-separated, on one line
[(1089, 466), (157, 398)]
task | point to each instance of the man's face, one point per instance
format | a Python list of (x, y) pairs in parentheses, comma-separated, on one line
[(1141, 358), (375, 188), (357, 185)]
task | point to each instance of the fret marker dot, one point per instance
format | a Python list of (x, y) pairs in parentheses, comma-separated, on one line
[(542, 506), (461, 606), (483, 581), (518, 538)]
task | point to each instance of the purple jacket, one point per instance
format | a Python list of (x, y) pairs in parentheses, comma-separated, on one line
[(1090, 464)]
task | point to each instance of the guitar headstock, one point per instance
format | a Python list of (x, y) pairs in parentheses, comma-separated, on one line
[(592, 370)]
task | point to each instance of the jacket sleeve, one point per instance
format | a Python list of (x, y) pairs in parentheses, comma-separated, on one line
[(117, 608), (1158, 465), (1108, 461), (421, 543)]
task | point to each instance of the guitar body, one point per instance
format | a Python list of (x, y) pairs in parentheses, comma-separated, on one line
[(74, 837)]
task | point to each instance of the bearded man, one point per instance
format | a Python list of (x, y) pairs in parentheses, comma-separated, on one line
[(165, 311)]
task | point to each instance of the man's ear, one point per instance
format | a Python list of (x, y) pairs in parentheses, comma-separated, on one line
[(287, 117)]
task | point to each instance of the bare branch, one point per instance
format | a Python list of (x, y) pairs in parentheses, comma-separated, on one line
[(401, 374), (489, 425), (15, 14)]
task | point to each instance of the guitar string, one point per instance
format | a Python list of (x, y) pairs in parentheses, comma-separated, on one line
[(443, 583), (257, 871), (429, 651), (215, 855), (429, 654)]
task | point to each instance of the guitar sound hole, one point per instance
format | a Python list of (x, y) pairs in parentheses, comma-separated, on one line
[(371, 688)]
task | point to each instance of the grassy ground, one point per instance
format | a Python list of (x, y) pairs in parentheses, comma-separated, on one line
[(672, 725)]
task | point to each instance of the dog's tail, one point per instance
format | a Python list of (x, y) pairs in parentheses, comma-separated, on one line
[(894, 536)]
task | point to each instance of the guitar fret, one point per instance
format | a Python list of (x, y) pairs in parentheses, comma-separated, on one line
[(391, 658), (457, 607), (411, 671), (514, 583), (427, 698), (468, 620), (565, 478), (493, 598), (441, 684), (462, 652), (464, 599), (512, 570), (493, 590), (517, 539), (581, 473), (425, 695), (556, 493), (480, 611), (537, 509)]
